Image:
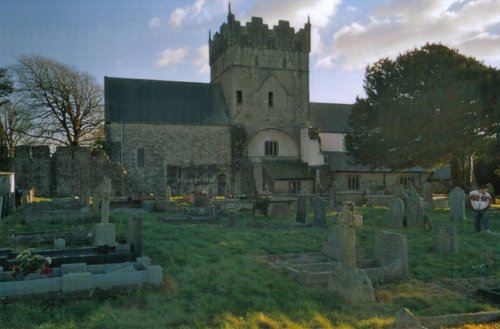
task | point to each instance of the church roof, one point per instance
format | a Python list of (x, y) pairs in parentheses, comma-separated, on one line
[(330, 117), (155, 101)]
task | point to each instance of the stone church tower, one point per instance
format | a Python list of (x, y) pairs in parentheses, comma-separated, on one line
[(264, 77)]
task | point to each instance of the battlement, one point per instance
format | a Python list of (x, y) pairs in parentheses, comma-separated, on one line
[(257, 34)]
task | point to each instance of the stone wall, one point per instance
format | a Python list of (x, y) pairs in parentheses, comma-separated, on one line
[(190, 155), (68, 172), (386, 180)]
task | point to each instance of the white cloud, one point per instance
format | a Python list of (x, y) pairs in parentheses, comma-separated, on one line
[(296, 12), (198, 11), (202, 60), (172, 56), (466, 25), (154, 22), (178, 17)]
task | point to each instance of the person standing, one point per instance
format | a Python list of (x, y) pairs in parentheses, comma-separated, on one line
[(480, 201)]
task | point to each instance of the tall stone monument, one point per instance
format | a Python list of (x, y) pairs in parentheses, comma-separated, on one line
[(105, 232)]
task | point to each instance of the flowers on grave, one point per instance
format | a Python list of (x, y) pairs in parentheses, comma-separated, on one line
[(27, 263)]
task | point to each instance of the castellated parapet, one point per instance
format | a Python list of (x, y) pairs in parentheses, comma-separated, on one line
[(257, 34)]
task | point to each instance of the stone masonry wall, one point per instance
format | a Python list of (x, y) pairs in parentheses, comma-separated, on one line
[(68, 172), (185, 149)]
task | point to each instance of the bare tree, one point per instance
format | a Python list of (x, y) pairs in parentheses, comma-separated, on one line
[(65, 106), (14, 125)]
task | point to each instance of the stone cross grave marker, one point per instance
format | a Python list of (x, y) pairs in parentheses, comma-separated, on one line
[(456, 199)]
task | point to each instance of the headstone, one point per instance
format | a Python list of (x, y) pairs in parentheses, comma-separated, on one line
[(59, 243), (135, 235), (341, 244), (404, 319), (319, 212), (84, 199), (96, 202), (168, 193), (105, 232), (444, 238), (332, 194), (456, 198), (414, 210), (396, 213), (352, 284), (105, 191), (391, 248), (427, 192), (301, 211)]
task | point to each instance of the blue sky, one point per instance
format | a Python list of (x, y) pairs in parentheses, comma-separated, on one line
[(168, 39)]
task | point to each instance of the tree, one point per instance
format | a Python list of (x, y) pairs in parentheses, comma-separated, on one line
[(65, 105), (14, 124), (6, 88), (428, 107)]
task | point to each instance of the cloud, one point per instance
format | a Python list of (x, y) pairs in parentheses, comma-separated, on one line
[(172, 56), (178, 17), (197, 11), (154, 22), (466, 25), (296, 12), (202, 60)]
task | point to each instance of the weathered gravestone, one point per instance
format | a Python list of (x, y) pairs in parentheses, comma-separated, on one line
[(105, 233), (1, 207), (301, 210), (414, 210), (341, 244), (456, 199), (348, 281), (332, 195), (444, 238), (427, 193), (168, 193), (135, 235), (319, 212), (396, 213)]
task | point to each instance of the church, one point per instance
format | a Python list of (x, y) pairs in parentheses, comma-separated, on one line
[(252, 129)]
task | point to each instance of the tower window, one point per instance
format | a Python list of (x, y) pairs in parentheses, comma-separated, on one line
[(140, 157), (270, 99), (271, 148), (239, 97)]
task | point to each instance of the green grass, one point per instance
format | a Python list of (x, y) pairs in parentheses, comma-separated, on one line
[(213, 280)]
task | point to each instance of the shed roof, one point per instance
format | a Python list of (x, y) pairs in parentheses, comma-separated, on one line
[(155, 101), (330, 117)]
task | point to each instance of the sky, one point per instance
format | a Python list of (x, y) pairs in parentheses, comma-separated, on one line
[(168, 39)]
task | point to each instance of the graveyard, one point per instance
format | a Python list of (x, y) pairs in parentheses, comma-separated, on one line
[(224, 264)]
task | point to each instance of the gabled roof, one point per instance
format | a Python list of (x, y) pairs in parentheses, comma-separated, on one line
[(288, 169), (341, 161), (333, 118), (155, 101)]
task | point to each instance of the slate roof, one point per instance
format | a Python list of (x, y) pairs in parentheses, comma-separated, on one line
[(288, 169), (341, 161), (328, 117), (155, 101)]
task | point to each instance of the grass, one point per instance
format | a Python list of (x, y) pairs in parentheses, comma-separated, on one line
[(212, 280)]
